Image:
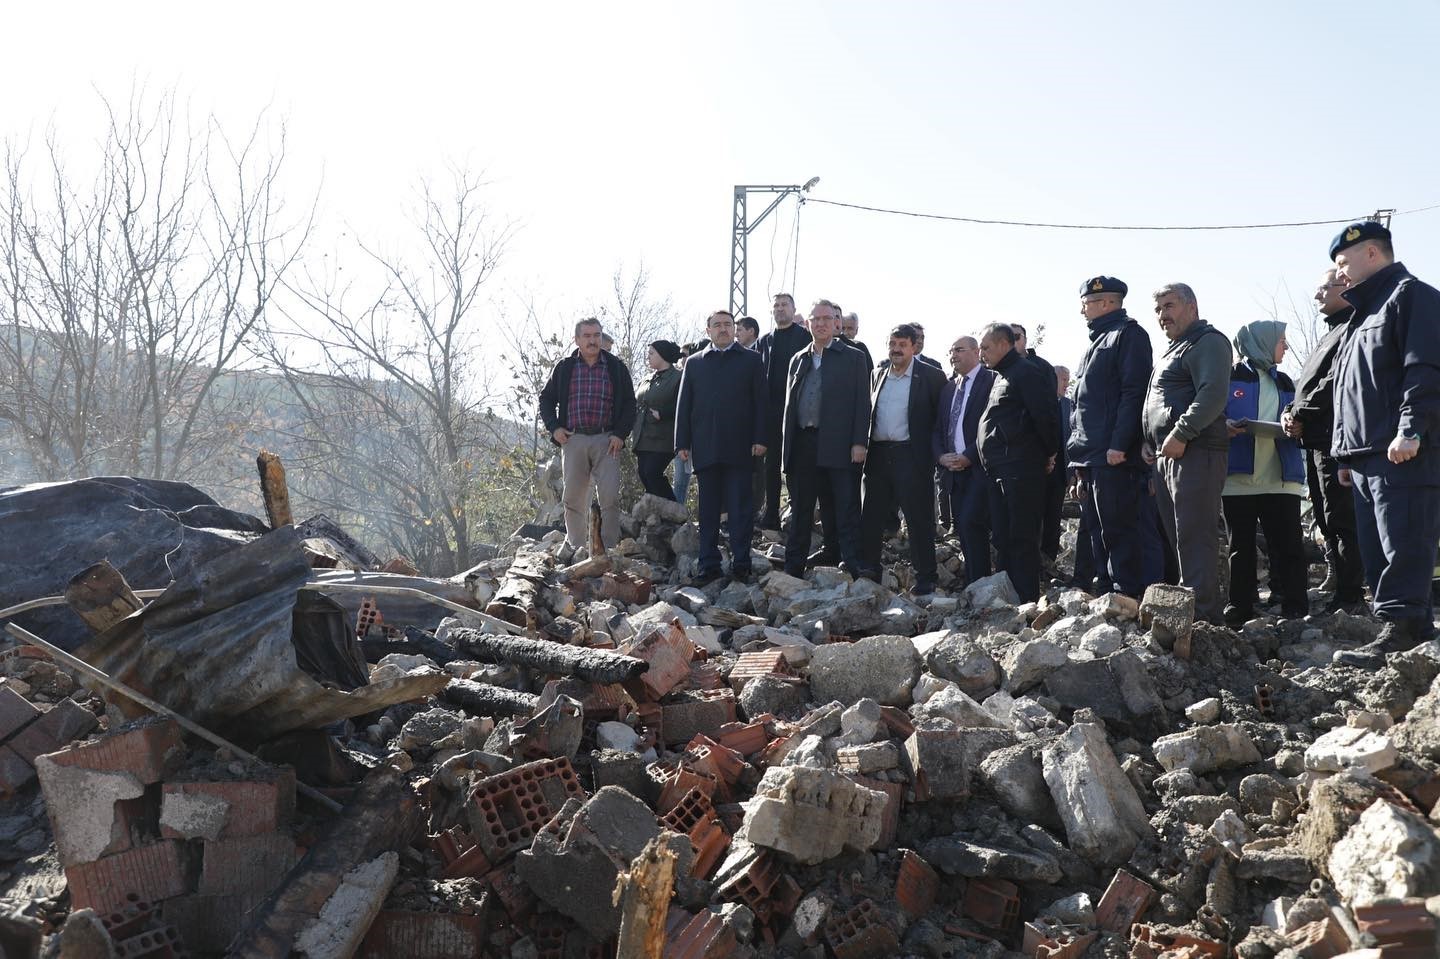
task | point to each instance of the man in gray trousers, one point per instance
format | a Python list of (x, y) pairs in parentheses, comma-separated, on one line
[(1186, 439)]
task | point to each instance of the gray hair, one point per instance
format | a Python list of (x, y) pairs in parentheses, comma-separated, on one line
[(589, 321), (852, 316), (1181, 290), (831, 304), (999, 331)]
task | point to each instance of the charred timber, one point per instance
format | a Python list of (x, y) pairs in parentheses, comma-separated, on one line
[(482, 699), (593, 665)]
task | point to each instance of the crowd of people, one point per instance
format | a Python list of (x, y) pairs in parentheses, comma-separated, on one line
[(1155, 452)]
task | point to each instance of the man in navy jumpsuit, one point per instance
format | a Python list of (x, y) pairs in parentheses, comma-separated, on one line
[(1387, 433), (1105, 438)]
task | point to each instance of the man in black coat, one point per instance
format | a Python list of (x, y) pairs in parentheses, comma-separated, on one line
[(827, 428), (963, 480), (1387, 434), (849, 334), (1112, 478), (1309, 420), (719, 425), (776, 349), (900, 465), (1019, 433)]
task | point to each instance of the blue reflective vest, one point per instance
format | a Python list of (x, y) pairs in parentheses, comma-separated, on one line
[(1244, 404)]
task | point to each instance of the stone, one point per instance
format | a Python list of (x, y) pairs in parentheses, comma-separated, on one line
[(1169, 613), (869, 758), (1205, 711), (1272, 859), (1335, 806), (780, 585), (1103, 816), (812, 815), (1076, 910), (1102, 640), (853, 615), (1116, 606), (81, 803), (901, 617), (1176, 785), (1201, 809), (992, 592), (1259, 791), (84, 937), (957, 856), (941, 761), (1390, 853), (928, 685), (952, 705), (1027, 664), (424, 729), (769, 693), (652, 509), (1069, 630), (1013, 775), (862, 722), (617, 736), (1206, 749), (1346, 746), (1419, 734), (964, 662), (685, 541), (659, 614), (347, 914), (882, 668), (1230, 831)]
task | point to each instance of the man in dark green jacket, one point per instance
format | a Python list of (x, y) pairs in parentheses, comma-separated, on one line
[(1185, 438)]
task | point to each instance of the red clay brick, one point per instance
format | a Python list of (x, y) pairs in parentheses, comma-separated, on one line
[(992, 902), (703, 936), (16, 712), (668, 652), (257, 807), (62, 723), (424, 935), (1124, 901), (896, 795), (745, 740), (861, 933), (704, 712), (247, 864), (916, 886), (209, 923), (155, 872), (147, 750), (507, 809), (15, 773)]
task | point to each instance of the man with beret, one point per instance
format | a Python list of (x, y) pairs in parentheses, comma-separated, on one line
[(1186, 439), (1309, 420), (1112, 479), (827, 428), (1019, 432), (720, 420), (1387, 422)]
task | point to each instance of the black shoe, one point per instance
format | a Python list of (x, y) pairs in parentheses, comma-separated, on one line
[(1396, 636), (771, 522), (744, 574), (923, 588), (1238, 615), (822, 557), (705, 577), (1355, 606)]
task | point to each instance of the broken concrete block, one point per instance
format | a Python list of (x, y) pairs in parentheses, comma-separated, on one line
[(659, 614), (1026, 664), (16, 712), (812, 814), (617, 736), (1206, 749), (346, 916), (1103, 816), (1346, 746), (882, 668), (992, 592), (82, 807), (862, 722), (1102, 640), (1069, 630), (1205, 711), (780, 695), (1390, 853), (960, 857), (1116, 606), (941, 761), (869, 758), (1230, 831), (964, 662), (1076, 910), (952, 705), (1169, 613), (1013, 775), (574, 868)]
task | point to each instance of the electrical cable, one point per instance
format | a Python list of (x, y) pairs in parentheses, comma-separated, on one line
[(795, 276), (1094, 226)]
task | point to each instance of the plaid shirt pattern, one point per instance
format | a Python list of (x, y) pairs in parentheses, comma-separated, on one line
[(592, 397)]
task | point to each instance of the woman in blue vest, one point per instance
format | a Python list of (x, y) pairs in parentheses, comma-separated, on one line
[(1266, 477)]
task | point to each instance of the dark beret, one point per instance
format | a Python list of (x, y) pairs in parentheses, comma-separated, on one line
[(669, 352), (1103, 284), (1358, 233)]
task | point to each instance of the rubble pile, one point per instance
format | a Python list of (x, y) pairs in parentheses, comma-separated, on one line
[(598, 759)]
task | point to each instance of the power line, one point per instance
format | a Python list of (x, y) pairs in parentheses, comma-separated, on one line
[(1094, 226)]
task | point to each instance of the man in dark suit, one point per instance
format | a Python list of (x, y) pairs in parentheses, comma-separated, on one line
[(776, 348), (849, 334), (1019, 433), (827, 427), (719, 425), (963, 480), (900, 465)]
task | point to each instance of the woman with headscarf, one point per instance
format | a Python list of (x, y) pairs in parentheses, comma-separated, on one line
[(1266, 477), (655, 418)]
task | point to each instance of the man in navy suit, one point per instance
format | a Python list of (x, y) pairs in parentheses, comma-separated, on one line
[(719, 426), (973, 497), (900, 464)]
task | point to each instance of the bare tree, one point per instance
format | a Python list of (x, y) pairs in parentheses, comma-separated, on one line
[(636, 318), (393, 415), (129, 301)]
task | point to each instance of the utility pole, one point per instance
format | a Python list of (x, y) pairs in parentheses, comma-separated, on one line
[(743, 227), (1382, 216)]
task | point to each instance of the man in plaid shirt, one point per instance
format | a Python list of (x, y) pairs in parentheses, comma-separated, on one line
[(588, 407)]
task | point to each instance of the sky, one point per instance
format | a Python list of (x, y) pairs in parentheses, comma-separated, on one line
[(613, 134)]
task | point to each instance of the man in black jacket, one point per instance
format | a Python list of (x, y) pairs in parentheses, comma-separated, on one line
[(1055, 480), (849, 334), (719, 426), (900, 464), (974, 498), (1309, 419), (776, 350), (1112, 479), (1019, 433), (588, 408), (1387, 434), (827, 428)]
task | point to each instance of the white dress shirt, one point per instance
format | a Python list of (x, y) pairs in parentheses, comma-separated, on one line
[(962, 394), (892, 406)]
